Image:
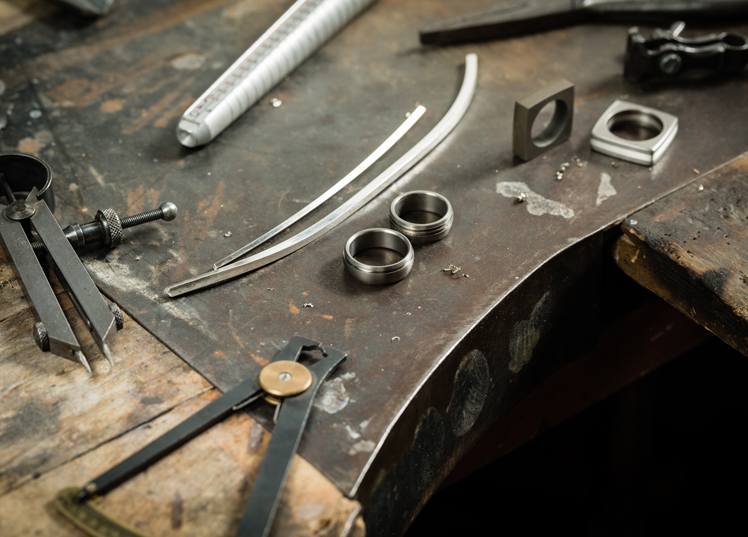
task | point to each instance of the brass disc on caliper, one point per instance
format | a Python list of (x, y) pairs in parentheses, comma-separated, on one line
[(284, 378)]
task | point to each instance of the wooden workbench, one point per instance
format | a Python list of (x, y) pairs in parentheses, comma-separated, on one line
[(405, 409)]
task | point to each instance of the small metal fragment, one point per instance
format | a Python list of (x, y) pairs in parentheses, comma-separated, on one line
[(614, 164), (276, 102), (271, 289), (701, 187), (526, 110), (452, 269), (395, 338), (522, 197), (227, 234), (307, 305), (35, 114)]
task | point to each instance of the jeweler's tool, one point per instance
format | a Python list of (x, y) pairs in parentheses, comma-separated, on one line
[(519, 17), (32, 176), (358, 170), (283, 382), (305, 27), (666, 55), (382, 181)]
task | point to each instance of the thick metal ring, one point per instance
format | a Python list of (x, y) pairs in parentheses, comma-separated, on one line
[(526, 111), (24, 172), (378, 238), (660, 125), (423, 201)]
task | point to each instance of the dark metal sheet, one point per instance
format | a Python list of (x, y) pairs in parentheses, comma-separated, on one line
[(112, 92)]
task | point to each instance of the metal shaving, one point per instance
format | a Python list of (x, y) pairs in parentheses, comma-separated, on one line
[(395, 338), (522, 197), (227, 234), (561, 171), (454, 269), (307, 305)]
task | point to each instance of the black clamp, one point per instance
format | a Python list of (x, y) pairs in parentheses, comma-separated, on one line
[(667, 55)]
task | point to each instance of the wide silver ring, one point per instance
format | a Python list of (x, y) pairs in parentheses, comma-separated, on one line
[(378, 238), (660, 127), (422, 201)]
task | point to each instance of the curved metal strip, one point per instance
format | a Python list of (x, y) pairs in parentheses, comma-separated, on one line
[(329, 193), (384, 180)]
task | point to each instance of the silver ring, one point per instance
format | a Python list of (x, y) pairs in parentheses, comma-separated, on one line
[(654, 130), (378, 238), (424, 201)]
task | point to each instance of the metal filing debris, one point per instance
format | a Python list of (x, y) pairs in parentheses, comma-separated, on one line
[(454, 269), (53, 333)]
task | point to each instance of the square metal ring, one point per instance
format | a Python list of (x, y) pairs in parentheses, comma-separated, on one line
[(526, 110), (645, 152)]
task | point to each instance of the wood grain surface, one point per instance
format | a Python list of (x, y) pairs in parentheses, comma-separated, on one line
[(433, 360), (690, 248), (111, 94), (60, 427)]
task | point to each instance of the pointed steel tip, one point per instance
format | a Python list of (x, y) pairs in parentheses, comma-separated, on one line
[(108, 354), (82, 360)]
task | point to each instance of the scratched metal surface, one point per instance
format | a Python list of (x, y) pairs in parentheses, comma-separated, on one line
[(111, 93)]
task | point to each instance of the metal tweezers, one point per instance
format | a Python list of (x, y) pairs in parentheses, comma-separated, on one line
[(520, 17)]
